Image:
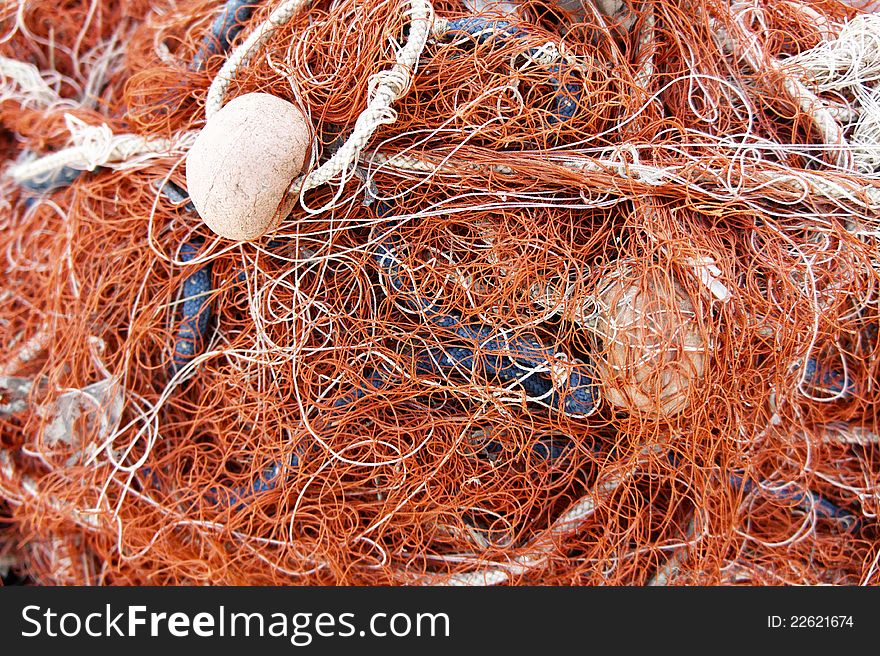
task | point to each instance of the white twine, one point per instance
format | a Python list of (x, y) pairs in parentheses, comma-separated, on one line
[(384, 88), (243, 53), (844, 433), (747, 46), (91, 146), (865, 137), (851, 60), (544, 545), (849, 65), (94, 146), (790, 183), (35, 346), (17, 390), (22, 486), (666, 573), (30, 84)]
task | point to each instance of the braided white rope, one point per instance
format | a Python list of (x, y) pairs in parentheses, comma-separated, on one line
[(844, 433), (35, 346), (665, 574), (95, 146), (17, 390), (850, 65), (385, 87), (542, 546), (243, 53), (865, 137)]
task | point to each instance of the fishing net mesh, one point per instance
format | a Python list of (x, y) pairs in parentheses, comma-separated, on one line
[(679, 194)]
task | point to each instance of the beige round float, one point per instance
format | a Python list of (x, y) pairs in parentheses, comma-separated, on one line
[(242, 163), (653, 352)]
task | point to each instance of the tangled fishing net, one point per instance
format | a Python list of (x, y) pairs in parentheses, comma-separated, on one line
[(568, 293)]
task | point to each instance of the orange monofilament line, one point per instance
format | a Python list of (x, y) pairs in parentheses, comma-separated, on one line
[(731, 323)]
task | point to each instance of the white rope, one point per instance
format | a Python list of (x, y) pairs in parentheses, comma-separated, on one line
[(94, 146), (850, 65), (35, 346), (844, 433), (790, 183), (17, 390), (385, 88), (666, 573), (417, 165), (808, 102), (647, 44), (22, 486), (865, 137), (544, 545), (243, 53)]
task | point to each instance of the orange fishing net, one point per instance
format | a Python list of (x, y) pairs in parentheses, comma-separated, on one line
[(665, 198)]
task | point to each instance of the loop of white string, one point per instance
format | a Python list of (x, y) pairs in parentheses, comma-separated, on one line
[(25, 82)]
